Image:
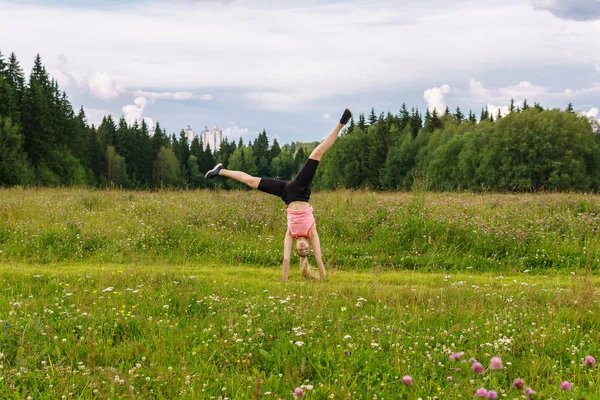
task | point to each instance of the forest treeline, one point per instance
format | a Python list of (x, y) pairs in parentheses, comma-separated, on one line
[(44, 142)]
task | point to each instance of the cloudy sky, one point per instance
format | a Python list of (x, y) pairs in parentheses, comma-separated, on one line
[(292, 67)]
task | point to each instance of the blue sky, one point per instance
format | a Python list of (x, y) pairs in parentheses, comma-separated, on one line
[(291, 69)]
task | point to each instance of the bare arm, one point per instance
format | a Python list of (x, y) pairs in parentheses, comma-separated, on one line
[(316, 247), (287, 253)]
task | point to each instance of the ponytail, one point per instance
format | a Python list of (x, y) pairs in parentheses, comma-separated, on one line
[(305, 268)]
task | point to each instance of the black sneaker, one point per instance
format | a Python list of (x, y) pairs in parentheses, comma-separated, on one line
[(214, 172), (345, 117)]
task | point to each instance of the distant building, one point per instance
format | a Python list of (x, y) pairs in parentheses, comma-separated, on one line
[(212, 137), (189, 133)]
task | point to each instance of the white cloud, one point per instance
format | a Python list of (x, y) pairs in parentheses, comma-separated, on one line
[(63, 76), (94, 116), (150, 123), (287, 55), (526, 91), (519, 92), (234, 132), (435, 98), (103, 86), (579, 10), (493, 110), (290, 52), (592, 113), (134, 112), (326, 116), (171, 95)]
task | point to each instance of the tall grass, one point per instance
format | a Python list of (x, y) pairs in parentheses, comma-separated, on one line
[(84, 331), (424, 231)]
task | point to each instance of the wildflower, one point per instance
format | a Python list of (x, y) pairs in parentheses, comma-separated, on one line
[(298, 393), (481, 392), (518, 383), (449, 379), (496, 363), (472, 360), (477, 368), (589, 361), (108, 289), (529, 392), (565, 385), (492, 395), (407, 380), (456, 356), (299, 344)]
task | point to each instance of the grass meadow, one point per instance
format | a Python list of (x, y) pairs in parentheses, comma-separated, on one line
[(177, 295)]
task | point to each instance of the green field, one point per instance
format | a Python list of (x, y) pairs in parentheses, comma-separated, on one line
[(109, 294)]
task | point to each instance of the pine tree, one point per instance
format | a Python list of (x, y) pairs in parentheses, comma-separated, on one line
[(372, 117), (183, 154), (37, 117), (196, 148), (432, 121), (498, 114), (262, 158), (511, 109), (14, 167), (299, 159), (158, 140), (427, 126), (416, 122), (459, 115), (209, 160), (8, 100), (436, 120), (80, 138), (8, 104), (485, 114), (362, 124), (472, 117), (569, 108), (96, 156), (107, 132), (351, 126), (146, 159), (447, 111), (123, 139), (275, 150), (3, 64), (525, 105), (404, 117)]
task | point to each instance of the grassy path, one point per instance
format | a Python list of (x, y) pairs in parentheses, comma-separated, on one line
[(217, 331)]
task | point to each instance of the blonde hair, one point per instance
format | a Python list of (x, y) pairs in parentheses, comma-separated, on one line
[(305, 267)]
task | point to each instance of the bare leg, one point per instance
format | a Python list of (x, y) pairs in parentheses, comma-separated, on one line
[(326, 144), (242, 177)]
